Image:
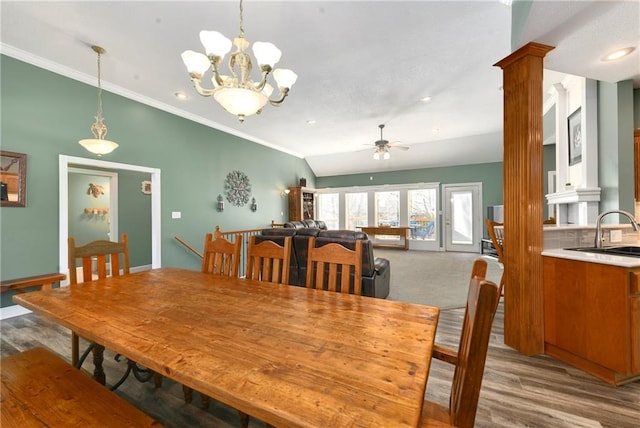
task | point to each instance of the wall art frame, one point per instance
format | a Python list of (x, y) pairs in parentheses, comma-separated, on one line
[(574, 124), (13, 176)]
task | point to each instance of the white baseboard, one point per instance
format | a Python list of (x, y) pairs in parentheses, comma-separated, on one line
[(17, 310)]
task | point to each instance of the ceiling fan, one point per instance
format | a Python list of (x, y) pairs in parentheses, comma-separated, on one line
[(382, 146)]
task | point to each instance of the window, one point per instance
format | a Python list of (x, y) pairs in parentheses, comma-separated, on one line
[(356, 210), (329, 209), (388, 208), (422, 213), (462, 217)]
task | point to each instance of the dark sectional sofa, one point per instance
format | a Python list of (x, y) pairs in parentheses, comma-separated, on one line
[(376, 272)]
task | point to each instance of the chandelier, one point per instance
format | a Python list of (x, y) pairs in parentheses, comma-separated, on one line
[(98, 144), (237, 93)]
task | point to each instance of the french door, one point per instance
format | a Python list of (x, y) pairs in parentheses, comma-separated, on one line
[(462, 217)]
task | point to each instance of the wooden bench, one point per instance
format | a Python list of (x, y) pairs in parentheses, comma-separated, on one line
[(41, 389), (43, 281)]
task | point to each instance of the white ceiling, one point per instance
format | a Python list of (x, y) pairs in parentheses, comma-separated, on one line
[(360, 64)]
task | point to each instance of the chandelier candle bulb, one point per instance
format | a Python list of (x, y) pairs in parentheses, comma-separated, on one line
[(238, 93)]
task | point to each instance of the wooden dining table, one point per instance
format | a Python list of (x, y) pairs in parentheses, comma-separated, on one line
[(287, 355)]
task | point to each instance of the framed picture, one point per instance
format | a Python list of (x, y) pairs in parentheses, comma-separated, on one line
[(575, 137), (146, 187)]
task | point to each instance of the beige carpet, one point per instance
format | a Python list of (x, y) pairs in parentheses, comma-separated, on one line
[(433, 278)]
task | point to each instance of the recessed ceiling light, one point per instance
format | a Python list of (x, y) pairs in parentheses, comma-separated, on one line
[(425, 99), (311, 122), (181, 95), (617, 54), (435, 130)]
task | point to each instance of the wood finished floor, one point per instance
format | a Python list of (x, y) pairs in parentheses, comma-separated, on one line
[(517, 391)]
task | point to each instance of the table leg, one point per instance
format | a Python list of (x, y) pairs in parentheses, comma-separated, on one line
[(98, 358)]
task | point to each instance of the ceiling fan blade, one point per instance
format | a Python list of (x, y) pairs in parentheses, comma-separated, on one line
[(398, 145)]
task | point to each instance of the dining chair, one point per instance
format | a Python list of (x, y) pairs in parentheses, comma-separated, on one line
[(101, 259), (496, 233), (268, 261), (221, 256), (334, 267), (469, 360)]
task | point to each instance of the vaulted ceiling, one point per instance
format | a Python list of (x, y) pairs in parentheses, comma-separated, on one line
[(360, 64)]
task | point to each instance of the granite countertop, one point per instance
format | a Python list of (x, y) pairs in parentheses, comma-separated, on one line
[(581, 256)]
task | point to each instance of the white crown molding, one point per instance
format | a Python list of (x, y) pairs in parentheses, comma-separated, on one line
[(62, 70)]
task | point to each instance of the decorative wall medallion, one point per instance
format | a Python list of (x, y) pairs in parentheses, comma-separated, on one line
[(237, 188)]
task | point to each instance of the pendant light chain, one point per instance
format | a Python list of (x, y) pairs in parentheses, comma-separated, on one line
[(241, 20), (99, 129), (99, 86)]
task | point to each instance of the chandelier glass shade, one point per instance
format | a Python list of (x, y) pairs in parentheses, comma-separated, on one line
[(98, 144), (238, 93)]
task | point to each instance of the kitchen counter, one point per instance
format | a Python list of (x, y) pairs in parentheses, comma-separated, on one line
[(582, 256)]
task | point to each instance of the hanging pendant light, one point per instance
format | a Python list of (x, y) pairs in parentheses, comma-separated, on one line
[(98, 144), (237, 93)]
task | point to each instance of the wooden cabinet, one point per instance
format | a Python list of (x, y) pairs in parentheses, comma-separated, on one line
[(302, 203), (592, 317)]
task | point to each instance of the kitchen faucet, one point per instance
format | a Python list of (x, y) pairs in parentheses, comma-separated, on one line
[(598, 239)]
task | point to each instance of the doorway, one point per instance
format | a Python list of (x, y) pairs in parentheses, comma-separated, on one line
[(93, 205), (65, 163), (462, 217)]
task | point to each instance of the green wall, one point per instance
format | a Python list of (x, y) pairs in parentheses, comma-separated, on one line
[(44, 115), (615, 146)]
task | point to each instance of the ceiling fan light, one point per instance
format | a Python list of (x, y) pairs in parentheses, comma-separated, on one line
[(195, 62), (266, 53), (376, 155), (386, 155), (285, 78), (215, 43)]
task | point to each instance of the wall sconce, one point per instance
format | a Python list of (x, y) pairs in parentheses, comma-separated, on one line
[(284, 193), (220, 206), (254, 205)]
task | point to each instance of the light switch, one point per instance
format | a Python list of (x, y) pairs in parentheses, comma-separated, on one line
[(176, 214)]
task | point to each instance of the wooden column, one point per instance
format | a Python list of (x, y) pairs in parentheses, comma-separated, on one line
[(523, 198)]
